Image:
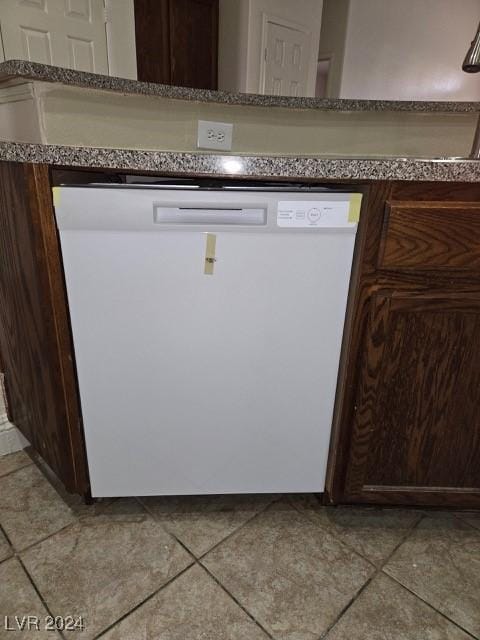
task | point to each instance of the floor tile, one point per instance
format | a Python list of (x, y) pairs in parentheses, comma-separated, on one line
[(30, 508), (440, 562), (191, 607), (5, 549), (372, 532), (472, 518), (200, 522), (18, 598), (386, 611), (13, 461), (293, 576), (104, 565)]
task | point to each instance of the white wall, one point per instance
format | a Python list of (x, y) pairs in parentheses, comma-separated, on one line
[(410, 50), (233, 21), (240, 38), (333, 36)]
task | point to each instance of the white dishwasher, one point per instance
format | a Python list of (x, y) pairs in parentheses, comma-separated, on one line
[(207, 326)]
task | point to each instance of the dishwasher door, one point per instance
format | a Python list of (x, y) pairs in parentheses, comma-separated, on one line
[(207, 329)]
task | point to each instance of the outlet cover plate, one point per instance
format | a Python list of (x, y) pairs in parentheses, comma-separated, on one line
[(214, 135)]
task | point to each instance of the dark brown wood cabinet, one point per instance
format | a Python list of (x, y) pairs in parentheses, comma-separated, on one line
[(35, 339), (408, 428), (177, 42)]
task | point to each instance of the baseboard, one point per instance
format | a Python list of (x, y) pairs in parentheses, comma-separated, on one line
[(11, 440)]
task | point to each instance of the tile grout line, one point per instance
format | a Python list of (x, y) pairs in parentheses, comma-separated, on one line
[(144, 601), (10, 473), (17, 552), (430, 606), (227, 537), (9, 542), (195, 562), (418, 597), (198, 559), (77, 519), (37, 591), (333, 534), (16, 555), (460, 519), (377, 571), (202, 555), (381, 570), (182, 544), (244, 609), (50, 535), (348, 605)]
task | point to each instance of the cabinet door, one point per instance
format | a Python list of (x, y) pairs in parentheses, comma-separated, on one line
[(66, 33), (194, 43), (416, 435), (177, 42)]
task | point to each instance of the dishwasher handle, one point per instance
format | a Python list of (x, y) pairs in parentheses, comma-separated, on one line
[(210, 214)]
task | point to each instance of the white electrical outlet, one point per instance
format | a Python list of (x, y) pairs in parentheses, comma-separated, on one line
[(214, 135)]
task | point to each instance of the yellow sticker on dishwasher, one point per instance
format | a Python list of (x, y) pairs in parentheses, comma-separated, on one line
[(354, 207), (56, 196), (211, 241)]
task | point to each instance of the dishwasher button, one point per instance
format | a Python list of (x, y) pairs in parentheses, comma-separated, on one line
[(314, 215)]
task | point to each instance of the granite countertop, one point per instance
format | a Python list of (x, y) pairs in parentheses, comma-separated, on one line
[(252, 166), (202, 164), (46, 73)]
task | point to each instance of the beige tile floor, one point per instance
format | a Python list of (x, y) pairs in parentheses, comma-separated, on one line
[(232, 567)]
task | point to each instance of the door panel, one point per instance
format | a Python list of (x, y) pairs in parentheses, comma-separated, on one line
[(287, 54), (66, 33), (35, 44), (416, 425), (177, 42), (194, 30), (431, 235)]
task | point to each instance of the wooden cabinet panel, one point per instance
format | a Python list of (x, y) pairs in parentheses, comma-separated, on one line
[(35, 340), (193, 43), (416, 431), (177, 42), (436, 191), (152, 40), (431, 236), (407, 423)]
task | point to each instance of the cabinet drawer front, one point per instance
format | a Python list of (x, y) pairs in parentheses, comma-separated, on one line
[(431, 236)]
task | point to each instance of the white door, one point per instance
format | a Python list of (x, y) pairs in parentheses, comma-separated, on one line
[(65, 33), (286, 60)]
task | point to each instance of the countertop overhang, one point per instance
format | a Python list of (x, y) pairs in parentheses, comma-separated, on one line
[(278, 167), (19, 69), (310, 166)]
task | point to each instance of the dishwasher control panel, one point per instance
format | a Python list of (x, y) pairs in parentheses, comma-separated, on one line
[(321, 213)]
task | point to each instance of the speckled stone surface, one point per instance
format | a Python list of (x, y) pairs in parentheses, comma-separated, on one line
[(47, 73), (293, 168)]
